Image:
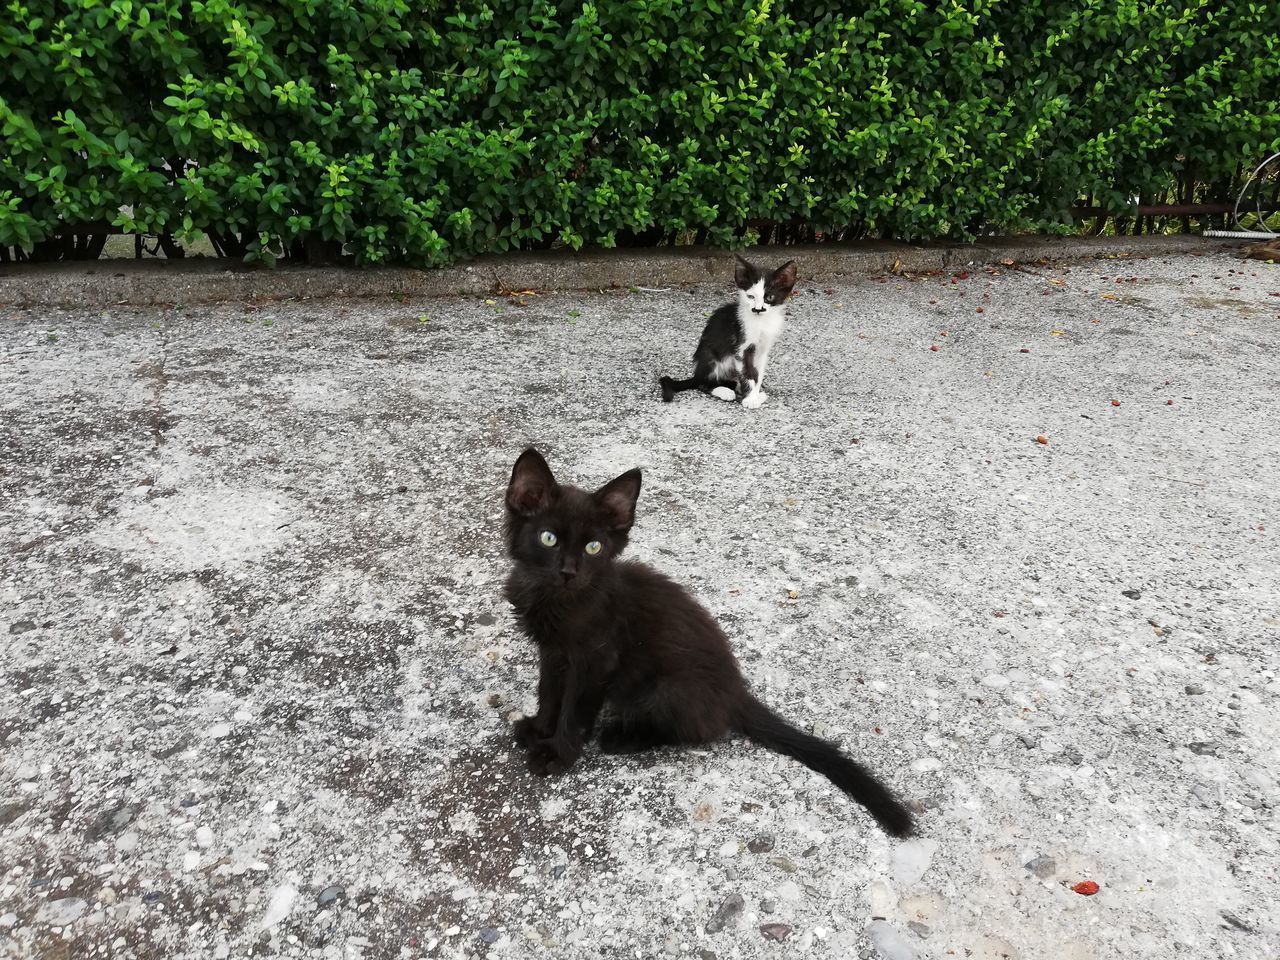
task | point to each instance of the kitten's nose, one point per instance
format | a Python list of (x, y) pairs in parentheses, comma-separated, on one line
[(759, 309), (568, 572)]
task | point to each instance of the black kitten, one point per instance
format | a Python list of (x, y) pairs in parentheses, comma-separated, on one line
[(620, 633), (734, 350)]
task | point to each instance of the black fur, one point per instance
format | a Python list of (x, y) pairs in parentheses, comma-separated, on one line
[(617, 634)]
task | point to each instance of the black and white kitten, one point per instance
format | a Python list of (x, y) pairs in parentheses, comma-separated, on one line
[(734, 350), (619, 633)]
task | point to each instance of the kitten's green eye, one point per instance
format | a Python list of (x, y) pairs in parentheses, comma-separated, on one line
[(547, 538), (594, 547)]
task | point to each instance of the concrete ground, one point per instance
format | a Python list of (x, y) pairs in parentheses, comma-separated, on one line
[(257, 675), (199, 280)]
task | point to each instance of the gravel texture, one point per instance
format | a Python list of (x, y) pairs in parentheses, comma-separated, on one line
[(257, 677)]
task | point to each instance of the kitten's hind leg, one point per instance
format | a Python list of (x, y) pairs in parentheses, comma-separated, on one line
[(722, 382), (633, 736), (671, 715)]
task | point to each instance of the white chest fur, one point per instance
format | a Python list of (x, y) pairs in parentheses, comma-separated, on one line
[(760, 330), (760, 327)]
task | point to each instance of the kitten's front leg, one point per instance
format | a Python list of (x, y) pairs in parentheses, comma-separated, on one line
[(750, 380), (762, 363), (583, 697), (531, 731)]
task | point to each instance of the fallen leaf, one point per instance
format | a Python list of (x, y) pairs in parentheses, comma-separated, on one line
[(1086, 888), (792, 595), (1058, 283), (1007, 262), (1115, 403), (1042, 439), (980, 310), (1058, 333), (934, 348), (1108, 296), (1168, 403), (1025, 350)]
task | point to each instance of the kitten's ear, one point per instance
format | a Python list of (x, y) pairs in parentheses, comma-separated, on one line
[(618, 498), (744, 274), (784, 278), (531, 484)]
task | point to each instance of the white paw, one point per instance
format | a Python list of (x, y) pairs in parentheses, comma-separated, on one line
[(723, 393), (754, 399)]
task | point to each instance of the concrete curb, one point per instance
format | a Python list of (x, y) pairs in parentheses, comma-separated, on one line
[(152, 282)]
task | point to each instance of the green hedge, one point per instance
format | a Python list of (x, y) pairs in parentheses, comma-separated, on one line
[(427, 131)]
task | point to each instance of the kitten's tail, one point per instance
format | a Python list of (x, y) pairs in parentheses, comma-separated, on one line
[(769, 730), (671, 387)]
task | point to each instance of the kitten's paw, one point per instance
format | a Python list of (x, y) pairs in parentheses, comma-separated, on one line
[(616, 742), (538, 763), (613, 739), (754, 399), (558, 765), (527, 732), (549, 757), (724, 393)]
